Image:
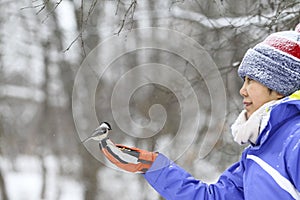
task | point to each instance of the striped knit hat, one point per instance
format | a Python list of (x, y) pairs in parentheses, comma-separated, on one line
[(275, 62)]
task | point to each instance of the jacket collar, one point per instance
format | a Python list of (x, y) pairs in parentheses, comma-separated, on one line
[(282, 111)]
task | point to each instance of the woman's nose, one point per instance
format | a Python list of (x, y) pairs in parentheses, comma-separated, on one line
[(243, 90)]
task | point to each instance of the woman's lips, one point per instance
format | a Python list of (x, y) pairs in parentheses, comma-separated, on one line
[(246, 104)]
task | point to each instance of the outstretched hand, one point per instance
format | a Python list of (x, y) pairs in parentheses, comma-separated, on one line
[(130, 159)]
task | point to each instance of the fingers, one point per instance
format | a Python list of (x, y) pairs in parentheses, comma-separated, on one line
[(112, 152), (127, 158), (143, 156)]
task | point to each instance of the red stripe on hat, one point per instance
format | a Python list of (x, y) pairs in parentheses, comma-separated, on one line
[(284, 44)]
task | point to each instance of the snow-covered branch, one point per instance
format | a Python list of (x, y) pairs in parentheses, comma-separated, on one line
[(232, 21)]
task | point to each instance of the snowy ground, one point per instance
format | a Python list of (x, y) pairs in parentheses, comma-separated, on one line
[(23, 180)]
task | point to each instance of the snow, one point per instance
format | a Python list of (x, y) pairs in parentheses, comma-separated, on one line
[(23, 185), (224, 21), (23, 179), (114, 182), (71, 189), (23, 55)]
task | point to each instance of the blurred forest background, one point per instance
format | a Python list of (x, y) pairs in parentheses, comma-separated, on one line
[(44, 42)]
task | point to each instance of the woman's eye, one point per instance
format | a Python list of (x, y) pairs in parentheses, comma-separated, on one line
[(249, 80)]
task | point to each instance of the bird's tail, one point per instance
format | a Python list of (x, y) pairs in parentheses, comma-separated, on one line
[(86, 139)]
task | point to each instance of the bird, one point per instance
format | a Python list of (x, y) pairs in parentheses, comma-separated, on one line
[(99, 133)]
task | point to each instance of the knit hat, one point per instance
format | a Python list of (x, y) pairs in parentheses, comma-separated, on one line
[(275, 62)]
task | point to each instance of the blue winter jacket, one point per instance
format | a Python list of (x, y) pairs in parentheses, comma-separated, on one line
[(269, 170)]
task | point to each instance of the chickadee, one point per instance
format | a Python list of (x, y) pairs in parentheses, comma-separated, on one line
[(99, 133)]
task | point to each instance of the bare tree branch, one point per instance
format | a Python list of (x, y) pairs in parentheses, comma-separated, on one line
[(81, 29), (51, 11), (82, 25), (129, 15), (130, 10), (238, 21), (42, 7), (117, 8)]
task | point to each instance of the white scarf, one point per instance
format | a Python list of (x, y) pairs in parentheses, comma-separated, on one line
[(247, 131)]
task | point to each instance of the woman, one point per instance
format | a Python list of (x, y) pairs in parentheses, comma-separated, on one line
[(270, 122)]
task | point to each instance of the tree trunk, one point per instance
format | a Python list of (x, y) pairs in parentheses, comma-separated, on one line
[(44, 178), (3, 188)]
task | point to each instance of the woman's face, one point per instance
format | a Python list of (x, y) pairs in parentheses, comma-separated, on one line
[(255, 95)]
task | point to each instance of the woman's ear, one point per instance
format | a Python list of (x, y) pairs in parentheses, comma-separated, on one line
[(275, 94), (279, 96)]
